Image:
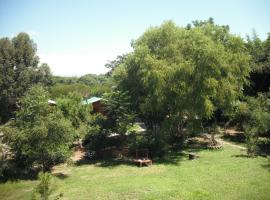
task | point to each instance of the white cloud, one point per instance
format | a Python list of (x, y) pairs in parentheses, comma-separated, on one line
[(77, 64), (32, 33)]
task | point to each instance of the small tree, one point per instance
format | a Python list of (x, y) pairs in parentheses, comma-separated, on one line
[(39, 134), (118, 110), (254, 114), (76, 112), (44, 188)]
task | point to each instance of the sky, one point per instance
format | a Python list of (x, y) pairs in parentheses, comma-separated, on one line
[(77, 37)]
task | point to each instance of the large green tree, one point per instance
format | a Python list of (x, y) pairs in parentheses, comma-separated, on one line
[(18, 71), (184, 73)]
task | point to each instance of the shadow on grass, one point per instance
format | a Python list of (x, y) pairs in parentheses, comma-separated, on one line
[(241, 156), (267, 165), (237, 138), (60, 175), (11, 172), (171, 158), (106, 162)]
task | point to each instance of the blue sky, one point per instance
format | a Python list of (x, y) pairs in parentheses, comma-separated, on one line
[(79, 37)]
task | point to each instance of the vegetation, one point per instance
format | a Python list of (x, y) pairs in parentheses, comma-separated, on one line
[(40, 135), (180, 82), (44, 188), (174, 177), (77, 113), (180, 77), (19, 70), (86, 86), (118, 111)]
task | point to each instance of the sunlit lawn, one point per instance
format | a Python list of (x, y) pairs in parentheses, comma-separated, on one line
[(219, 174)]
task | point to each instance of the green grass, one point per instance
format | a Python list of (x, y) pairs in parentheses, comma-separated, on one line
[(221, 174)]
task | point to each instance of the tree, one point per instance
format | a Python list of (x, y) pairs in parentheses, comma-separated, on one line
[(181, 73), (254, 115), (260, 64), (92, 79), (61, 90), (43, 75), (44, 188), (118, 111), (18, 72), (76, 112), (39, 134), (112, 65)]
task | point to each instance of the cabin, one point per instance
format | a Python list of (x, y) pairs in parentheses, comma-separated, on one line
[(98, 105)]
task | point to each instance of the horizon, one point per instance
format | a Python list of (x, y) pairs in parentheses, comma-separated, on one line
[(80, 38)]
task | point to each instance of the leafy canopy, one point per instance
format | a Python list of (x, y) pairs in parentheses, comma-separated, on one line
[(19, 70), (189, 72), (39, 134)]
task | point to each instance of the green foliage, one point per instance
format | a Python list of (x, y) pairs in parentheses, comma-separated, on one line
[(118, 119), (173, 177), (260, 51), (255, 113), (95, 138), (254, 117), (251, 142), (39, 134), (186, 73), (260, 63), (114, 64), (93, 79), (18, 72), (78, 114), (118, 111), (44, 188), (62, 90), (64, 80), (87, 85)]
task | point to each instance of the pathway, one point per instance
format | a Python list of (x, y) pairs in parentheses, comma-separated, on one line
[(229, 143)]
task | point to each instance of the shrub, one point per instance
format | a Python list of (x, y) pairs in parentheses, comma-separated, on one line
[(39, 135), (44, 188)]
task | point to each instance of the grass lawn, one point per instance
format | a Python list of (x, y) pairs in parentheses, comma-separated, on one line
[(220, 174)]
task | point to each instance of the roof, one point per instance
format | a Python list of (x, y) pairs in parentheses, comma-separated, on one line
[(91, 100)]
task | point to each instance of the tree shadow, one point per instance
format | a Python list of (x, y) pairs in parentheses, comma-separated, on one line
[(267, 165), (60, 175), (170, 158), (236, 138), (105, 162), (241, 156), (11, 172)]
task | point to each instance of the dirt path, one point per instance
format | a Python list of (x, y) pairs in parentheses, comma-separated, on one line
[(78, 154), (230, 144)]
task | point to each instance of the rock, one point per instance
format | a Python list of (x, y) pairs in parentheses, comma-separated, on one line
[(192, 156)]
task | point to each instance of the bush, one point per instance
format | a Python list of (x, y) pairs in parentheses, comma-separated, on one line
[(96, 134), (157, 146), (39, 135), (78, 114), (255, 115), (45, 187), (251, 141)]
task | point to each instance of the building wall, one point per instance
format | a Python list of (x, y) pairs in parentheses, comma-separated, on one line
[(99, 107)]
